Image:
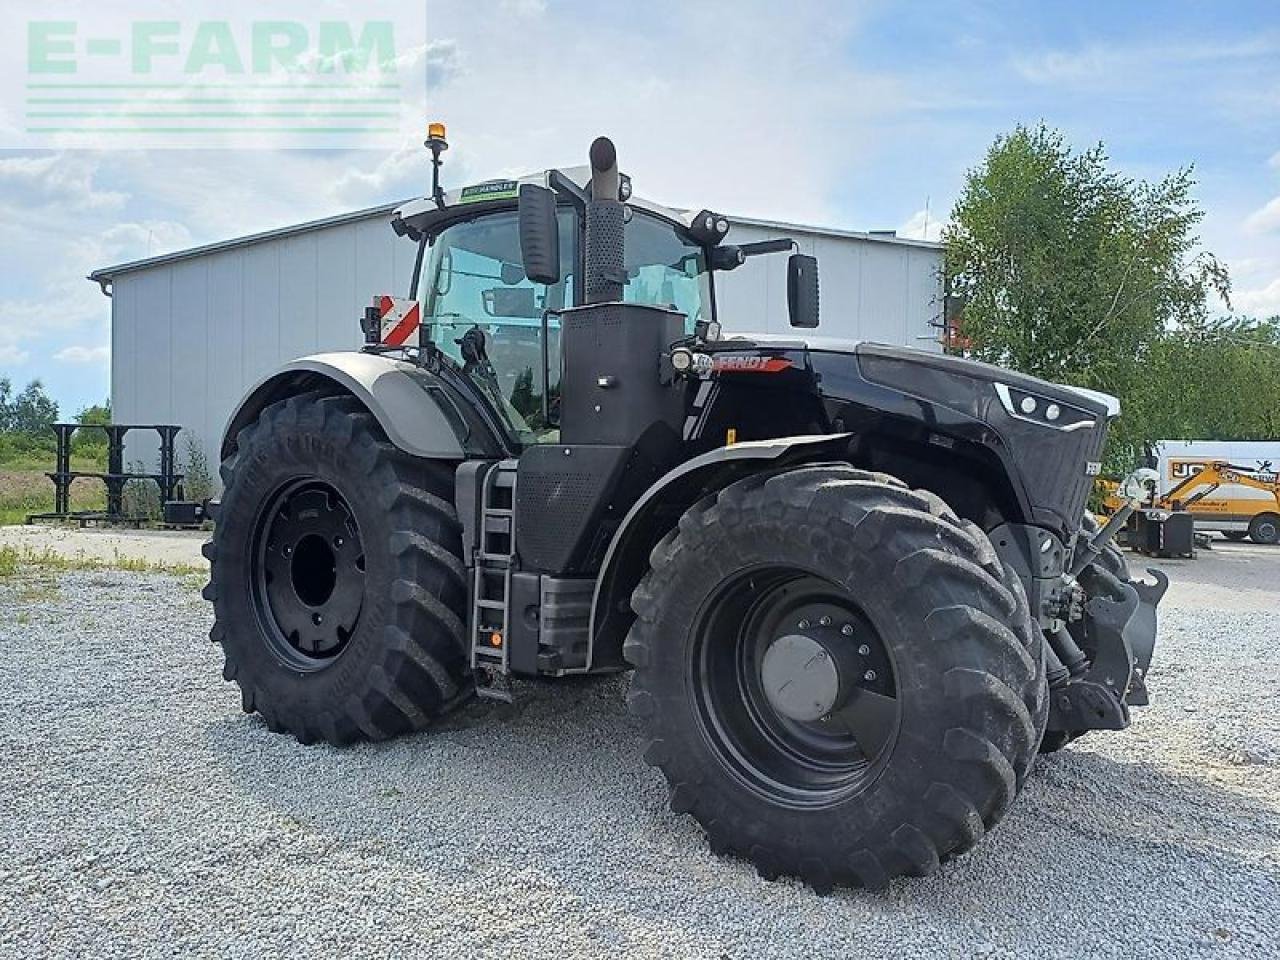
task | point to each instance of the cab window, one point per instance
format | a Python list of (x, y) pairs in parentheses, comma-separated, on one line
[(475, 278)]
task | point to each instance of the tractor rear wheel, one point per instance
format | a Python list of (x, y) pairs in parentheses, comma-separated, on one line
[(838, 678), (336, 576)]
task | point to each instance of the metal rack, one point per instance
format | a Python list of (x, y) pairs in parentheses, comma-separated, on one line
[(168, 480)]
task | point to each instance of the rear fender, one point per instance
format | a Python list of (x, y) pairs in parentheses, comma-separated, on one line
[(658, 511), (418, 412)]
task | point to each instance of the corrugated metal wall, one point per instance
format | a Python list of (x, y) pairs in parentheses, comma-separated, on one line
[(190, 337), (871, 289)]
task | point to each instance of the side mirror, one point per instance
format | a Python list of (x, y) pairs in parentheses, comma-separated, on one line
[(539, 234), (802, 290)]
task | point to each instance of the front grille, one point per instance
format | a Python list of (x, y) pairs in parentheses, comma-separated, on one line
[(1054, 465)]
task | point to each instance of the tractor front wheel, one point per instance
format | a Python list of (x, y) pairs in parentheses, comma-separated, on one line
[(838, 678), (336, 576)]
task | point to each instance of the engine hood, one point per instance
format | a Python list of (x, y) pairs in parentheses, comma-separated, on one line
[(873, 356)]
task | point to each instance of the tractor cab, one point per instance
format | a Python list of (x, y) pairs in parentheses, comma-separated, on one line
[(493, 304), (473, 282)]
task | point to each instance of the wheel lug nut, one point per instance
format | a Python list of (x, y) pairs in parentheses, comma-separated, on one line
[(864, 650), (869, 676), (847, 630), (317, 619), (338, 542), (825, 621), (803, 624), (287, 550)]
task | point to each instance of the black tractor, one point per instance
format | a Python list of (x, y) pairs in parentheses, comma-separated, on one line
[(855, 583)]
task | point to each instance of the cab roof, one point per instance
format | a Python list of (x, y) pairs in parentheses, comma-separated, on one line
[(422, 215)]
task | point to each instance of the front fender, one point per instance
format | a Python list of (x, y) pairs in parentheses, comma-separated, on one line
[(658, 511), (416, 409)]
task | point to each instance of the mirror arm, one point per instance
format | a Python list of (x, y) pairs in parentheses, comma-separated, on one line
[(784, 245), (731, 256), (566, 188)]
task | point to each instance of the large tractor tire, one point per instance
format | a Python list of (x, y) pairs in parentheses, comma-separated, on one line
[(837, 677), (337, 580)]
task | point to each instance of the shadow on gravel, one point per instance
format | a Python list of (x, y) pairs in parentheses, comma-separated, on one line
[(552, 792)]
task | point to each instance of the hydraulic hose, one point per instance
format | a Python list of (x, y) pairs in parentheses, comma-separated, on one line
[(1068, 652)]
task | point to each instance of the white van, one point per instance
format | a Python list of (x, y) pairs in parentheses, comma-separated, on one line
[(1234, 509)]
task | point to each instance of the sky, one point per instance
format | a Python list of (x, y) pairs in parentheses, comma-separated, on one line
[(857, 115)]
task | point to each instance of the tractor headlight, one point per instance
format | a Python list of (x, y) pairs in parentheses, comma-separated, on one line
[(681, 360), (1046, 411)]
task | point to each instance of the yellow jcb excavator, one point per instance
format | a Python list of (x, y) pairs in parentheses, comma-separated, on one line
[(1264, 527)]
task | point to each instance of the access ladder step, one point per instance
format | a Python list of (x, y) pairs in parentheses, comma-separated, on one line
[(495, 554)]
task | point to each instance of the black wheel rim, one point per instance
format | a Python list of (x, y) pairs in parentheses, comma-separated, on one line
[(801, 763), (308, 575)]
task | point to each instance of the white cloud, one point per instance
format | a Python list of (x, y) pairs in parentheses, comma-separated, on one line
[(1060, 66), (523, 8), (1261, 301), (758, 112), (401, 174), (923, 225), (1131, 65), (122, 242), (1265, 219), (82, 355), (10, 354), (60, 183), (442, 62)]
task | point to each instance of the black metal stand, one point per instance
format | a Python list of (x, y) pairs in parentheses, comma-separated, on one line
[(168, 480)]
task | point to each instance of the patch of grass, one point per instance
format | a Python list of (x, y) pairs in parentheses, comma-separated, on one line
[(13, 559), (24, 492)]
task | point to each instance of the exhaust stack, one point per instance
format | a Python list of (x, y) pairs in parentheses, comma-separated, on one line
[(605, 254)]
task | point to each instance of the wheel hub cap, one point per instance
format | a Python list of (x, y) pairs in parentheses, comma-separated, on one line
[(800, 678)]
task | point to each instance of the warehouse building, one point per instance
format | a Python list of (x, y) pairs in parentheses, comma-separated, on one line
[(191, 331)]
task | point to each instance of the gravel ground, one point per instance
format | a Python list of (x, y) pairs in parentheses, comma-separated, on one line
[(168, 548), (142, 814)]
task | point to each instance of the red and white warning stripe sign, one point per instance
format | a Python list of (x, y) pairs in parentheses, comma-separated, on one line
[(400, 318)]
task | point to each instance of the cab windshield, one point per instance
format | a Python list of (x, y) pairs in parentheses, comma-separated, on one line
[(474, 279)]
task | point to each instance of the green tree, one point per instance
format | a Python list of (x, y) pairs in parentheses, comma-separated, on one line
[(31, 413), (1220, 381), (95, 413), (92, 444), (1068, 270)]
